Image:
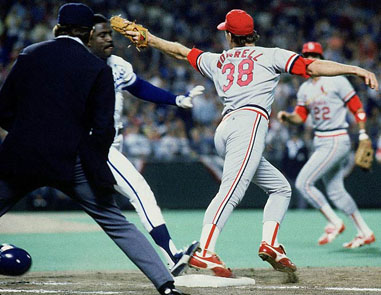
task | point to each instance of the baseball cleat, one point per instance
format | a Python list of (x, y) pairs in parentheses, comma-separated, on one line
[(330, 233), (212, 262), (183, 258), (276, 256), (172, 291), (359, 241)]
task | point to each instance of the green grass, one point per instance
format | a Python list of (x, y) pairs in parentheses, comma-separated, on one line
[(238, 243)]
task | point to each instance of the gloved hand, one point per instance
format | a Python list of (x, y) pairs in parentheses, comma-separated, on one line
[(364, 153), (185, 101), (122, 25)]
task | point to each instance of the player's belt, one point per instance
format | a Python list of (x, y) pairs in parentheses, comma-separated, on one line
[(249, 107), (330, 133)]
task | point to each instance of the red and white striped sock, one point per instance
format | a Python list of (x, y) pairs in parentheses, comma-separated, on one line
[(270, 233), (208, 240)]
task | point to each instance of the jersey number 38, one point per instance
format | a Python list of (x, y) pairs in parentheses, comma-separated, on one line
[(245, 73)]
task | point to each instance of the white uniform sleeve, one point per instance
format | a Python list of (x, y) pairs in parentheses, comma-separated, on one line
[(344, 88), (207, 63), (123, 72), (283, 60)]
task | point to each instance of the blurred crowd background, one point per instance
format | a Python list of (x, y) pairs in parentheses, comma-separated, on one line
[(350, 32)]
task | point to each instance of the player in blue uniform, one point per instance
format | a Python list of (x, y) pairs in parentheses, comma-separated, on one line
[(130, 182)]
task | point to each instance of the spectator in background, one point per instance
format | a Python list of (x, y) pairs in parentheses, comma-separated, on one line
[(351, 35), (135, 143), (202, 140), (205, 110)]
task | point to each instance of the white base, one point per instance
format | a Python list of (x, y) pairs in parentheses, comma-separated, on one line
[(211, 281)]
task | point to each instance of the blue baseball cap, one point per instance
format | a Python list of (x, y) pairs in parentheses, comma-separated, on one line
[(76, 14)]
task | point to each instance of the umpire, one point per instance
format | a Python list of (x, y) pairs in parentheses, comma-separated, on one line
[(57, 105)]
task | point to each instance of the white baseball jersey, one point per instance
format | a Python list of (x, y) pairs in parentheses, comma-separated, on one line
[(130, 182), (246, 75), (123, 76), (245, 79), (325, 101)]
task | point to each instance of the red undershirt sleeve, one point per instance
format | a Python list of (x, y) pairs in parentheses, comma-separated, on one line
[(302, 112), (193, 56), (354, 104), (299, 66)]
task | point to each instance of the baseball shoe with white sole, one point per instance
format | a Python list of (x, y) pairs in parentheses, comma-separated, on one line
[(276, 256), (183, 258), (172, 291), (212, 262), (359, 241), (330, 233)]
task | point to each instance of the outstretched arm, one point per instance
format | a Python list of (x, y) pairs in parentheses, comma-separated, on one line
[(146, 91), (330, 68), (173, 49)]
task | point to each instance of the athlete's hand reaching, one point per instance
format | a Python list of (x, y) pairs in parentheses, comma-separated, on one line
[(293, 118), (368, 77), (185, 101), (282, 116)]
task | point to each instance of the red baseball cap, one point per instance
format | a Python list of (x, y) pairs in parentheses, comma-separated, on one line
[(238, 22), (312, 47)]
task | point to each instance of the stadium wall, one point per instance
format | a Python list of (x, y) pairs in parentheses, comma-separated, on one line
[(192, 185)]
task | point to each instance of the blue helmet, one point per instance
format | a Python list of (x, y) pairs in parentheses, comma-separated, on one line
[(14, 261)]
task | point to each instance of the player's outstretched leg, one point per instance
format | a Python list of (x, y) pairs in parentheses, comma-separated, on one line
[(132, 184), (334, 182), (279, 191)]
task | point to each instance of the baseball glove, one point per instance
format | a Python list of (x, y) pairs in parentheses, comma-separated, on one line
[(122, 25), (364, 154)]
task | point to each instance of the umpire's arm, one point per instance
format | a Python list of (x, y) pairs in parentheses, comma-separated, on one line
[(102, 105)]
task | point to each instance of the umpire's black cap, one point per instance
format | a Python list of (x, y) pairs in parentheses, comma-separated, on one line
[(76, 14)]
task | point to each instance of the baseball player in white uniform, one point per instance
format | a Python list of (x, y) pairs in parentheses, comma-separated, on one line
[(326, 100), (245, 77), (130, 182)]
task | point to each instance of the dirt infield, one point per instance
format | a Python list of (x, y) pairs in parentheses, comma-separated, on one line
[(358, 280)]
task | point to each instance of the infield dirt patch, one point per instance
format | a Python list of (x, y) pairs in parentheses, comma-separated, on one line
[(346, 280)]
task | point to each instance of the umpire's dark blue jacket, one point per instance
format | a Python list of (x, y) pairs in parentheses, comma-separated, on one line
[(56, 103)]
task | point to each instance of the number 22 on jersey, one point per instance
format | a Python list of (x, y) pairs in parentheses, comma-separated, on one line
[(245, 73), (321, 113)]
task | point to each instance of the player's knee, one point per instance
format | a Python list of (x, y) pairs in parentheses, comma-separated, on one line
[(339, 196), (299, 184), (335, 195), (345, 203), (284, 190)]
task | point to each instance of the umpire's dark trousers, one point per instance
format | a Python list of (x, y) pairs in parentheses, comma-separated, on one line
[(101, 206)]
